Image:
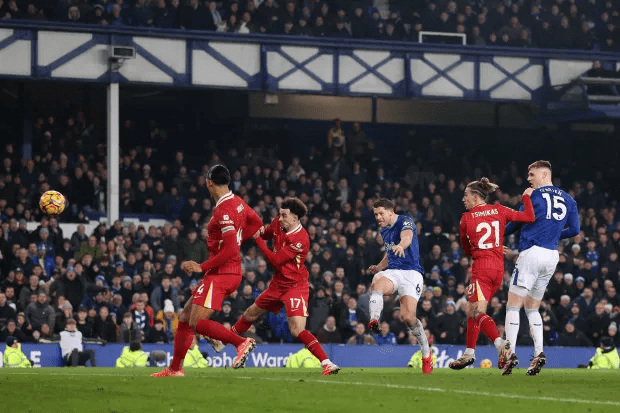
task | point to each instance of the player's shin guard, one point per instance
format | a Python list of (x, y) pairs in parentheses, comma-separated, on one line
[(376, 304), (420, 335), (217, 331), (241, 326), (312, 344), (473, 330), (488, 327), (182, 341), (536, 327), (512, 326)]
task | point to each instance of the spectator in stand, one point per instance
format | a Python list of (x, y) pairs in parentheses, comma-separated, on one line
[(329, 333)]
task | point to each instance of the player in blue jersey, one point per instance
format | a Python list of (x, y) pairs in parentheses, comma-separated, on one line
[(538, 258), (399, 271)]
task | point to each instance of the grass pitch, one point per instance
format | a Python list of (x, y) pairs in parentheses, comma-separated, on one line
[(353, 390)]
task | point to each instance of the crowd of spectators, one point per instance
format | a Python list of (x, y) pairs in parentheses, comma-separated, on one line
[(124, 282), (560, 24)]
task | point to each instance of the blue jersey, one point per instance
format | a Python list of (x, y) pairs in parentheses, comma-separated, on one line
[(391, 237), (554, 209)]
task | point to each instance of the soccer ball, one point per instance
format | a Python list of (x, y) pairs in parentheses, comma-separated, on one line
[(486, 364), (52, 202)]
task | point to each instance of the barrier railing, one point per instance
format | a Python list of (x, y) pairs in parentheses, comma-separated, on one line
[(74, 52)]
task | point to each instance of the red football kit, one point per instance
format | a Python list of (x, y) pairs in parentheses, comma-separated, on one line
[(289, 286), (482, 237), (232, 223)]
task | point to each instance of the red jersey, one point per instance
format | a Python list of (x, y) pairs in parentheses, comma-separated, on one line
[(230, 216), (289, 253), (482, 231)]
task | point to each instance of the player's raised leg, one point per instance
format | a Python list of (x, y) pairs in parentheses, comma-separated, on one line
[(380, 286), (408, 305), (219, 287), (182, 341)]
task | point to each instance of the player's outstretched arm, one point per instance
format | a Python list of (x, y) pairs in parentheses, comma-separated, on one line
[(406, 236), (526, 216), (284, 255), (379, 267), (229, 248)]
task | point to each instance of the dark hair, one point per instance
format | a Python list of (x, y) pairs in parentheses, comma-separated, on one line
[(219, 175), (383, 202), (135, 346), (482, 188), (540, 164), (296, 206)]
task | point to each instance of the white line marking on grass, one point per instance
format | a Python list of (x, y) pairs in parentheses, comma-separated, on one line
[(359, 383), (442, 390)]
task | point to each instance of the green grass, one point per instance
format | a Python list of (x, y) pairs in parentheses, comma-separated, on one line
[(353, 390)]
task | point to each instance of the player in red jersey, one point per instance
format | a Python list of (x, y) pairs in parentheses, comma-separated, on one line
[(229, 226), (482, 237), (289, 287)]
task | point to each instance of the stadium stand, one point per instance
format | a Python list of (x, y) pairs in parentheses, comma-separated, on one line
[(588, 25), (133, 268)]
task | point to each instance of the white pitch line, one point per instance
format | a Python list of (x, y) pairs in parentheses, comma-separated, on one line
[(385, 385), (442, 390)]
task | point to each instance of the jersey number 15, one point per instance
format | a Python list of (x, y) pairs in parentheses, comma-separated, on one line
[(486, 227), (558, 203)]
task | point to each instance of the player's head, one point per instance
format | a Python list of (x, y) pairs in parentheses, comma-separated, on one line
[(291, 211), (477, 192), (218, 175), (539, 173), (383, 209)]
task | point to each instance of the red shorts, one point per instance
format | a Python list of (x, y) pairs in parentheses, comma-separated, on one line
[(213, 289), (294, 299), (484, 284)]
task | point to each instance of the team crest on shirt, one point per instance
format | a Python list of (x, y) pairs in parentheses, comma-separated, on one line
[(240, 208), (297, 246)]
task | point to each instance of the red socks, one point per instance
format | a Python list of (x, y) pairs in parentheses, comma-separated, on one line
[(312, 344), (217, 331), (182, 340), (487, 326), (241, 326), (473, 330)]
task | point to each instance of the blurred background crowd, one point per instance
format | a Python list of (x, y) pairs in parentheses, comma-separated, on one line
[(123, 282), (561, 24)]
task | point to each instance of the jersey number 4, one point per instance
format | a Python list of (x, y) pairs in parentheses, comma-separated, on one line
[(486, 227), (558, 204)]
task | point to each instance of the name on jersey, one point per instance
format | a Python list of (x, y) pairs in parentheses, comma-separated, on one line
[(554, 190), (486, 213)]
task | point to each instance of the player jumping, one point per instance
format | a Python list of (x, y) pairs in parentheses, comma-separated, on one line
[(231, 217), (400, 271), (538, 258), (482, 237), (289, 287)]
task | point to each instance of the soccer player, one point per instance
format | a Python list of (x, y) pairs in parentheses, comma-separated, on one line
[(231, 218), (400, 271), (289, 287), (538, 258), (482, 237)]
